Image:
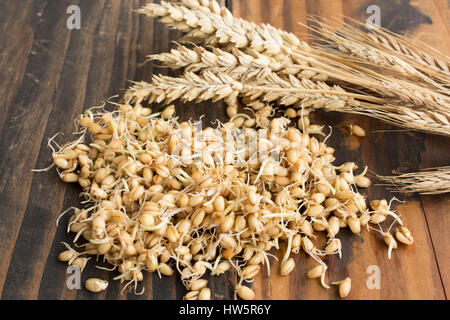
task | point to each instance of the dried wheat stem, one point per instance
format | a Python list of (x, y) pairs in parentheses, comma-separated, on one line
[(214, 29), (208, 6), (387, 86), (413, 51), (210, 86), (249, 65), (352, 40), (428, 181), (217, 86), (222, 28), (428, 121)]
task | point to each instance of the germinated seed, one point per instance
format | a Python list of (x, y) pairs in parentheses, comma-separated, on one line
[(244, 292), (203, 210), (96, 285)]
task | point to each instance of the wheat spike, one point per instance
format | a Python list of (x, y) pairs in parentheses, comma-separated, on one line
[(427, 121), (315, 95), (223, 28), (216, 86), (236, 64), (208, 6), (431, 62), (411, 85), (246, 66), (428, 181), (382, 49)]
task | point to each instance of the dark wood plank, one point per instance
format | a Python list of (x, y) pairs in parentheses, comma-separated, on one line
[(16, 40), (66, 104), (25, 123), (437, 207)]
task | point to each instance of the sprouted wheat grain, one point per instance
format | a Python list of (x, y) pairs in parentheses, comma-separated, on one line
[(163, 196)]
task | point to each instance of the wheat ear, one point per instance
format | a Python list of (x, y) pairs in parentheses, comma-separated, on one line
[(428, 181), (245, 66), (428, 121), (237, 64), (208, 6), (350, 39), (419, 54), (223, 28), (315, 95), (214, 29), (217, 86), (351, 43)]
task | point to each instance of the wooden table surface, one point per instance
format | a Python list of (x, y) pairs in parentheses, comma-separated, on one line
[(50, 74)]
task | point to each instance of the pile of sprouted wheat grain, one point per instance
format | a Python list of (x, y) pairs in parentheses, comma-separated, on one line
[(162, 196)]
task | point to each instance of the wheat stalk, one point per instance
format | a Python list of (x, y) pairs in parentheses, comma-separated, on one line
[(217, 86), (243, 65), (415, 53), (215, 26), (315, 95), (208, 6), (428, 121), (432, 62), (225, 29), (428, 181), (221, 28), (214, 29), (412, 84), (381, 48), (237, 64)]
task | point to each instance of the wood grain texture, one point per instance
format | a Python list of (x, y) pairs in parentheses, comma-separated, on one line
[(49, 74)]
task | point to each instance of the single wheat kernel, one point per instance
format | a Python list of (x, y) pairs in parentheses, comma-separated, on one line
[(231, 111), (362, 182), (404, 236), (96, 285), (357, 130), (315, 272), (165, 269), (287, 267), (291, 113), (66, 255), (191, 295), (354, 224), (244, 292), (205, 294), (168, 112), (250, 271), (61, 162), (70, 177), (197, 285), (344, 287)]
